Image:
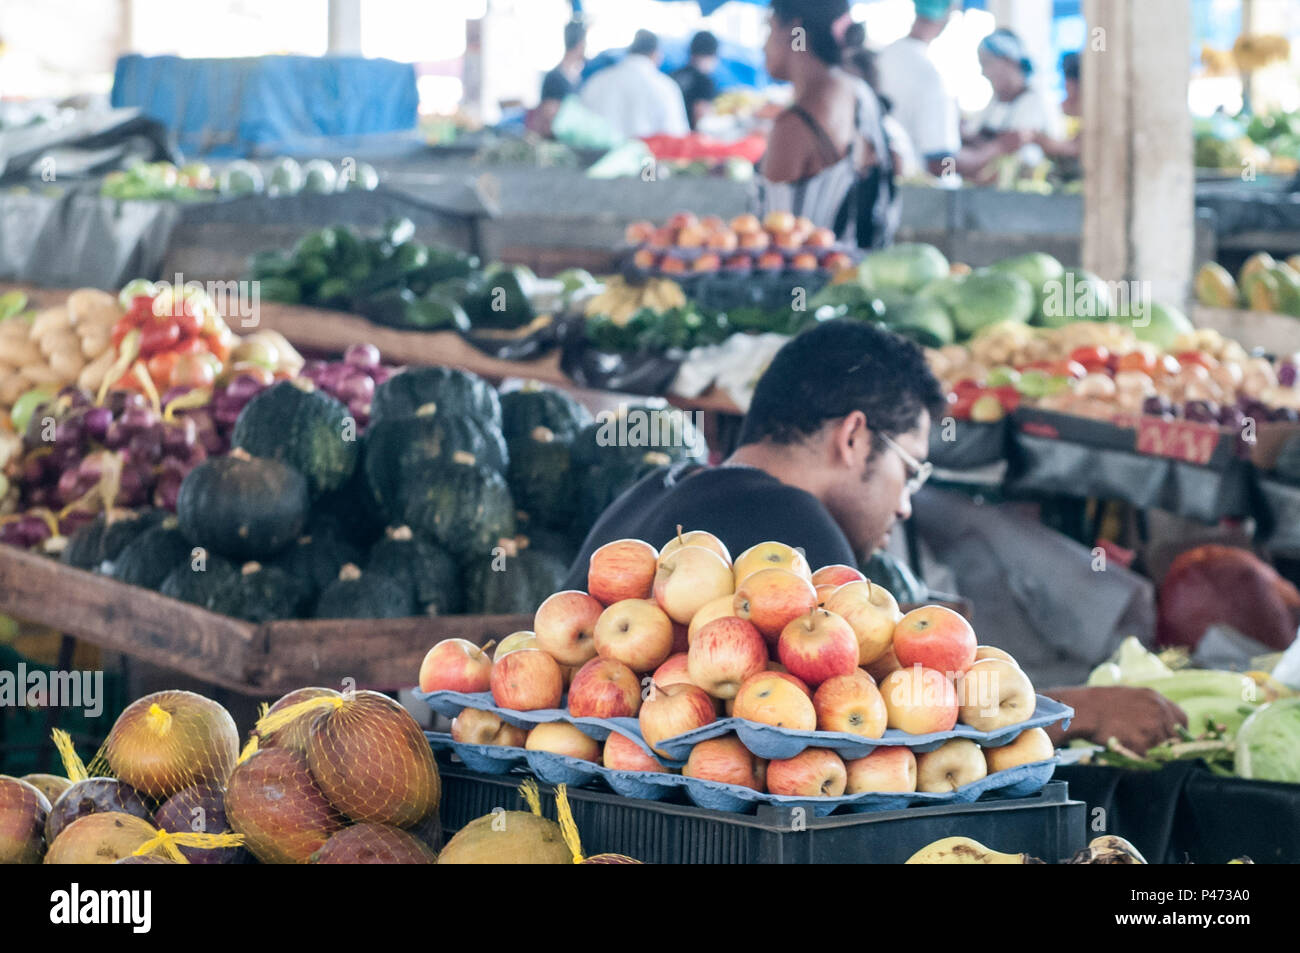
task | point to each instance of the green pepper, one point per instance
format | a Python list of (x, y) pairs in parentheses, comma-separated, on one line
[(270, 264), (284, 290), (333, 293), (310, 272), (315, 244)]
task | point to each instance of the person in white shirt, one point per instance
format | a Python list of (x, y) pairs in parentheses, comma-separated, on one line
[(634, 96), (917, 96)]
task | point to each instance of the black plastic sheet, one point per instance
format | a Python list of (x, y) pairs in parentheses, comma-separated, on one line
[(650, 374), (972, 445), (91, 141)]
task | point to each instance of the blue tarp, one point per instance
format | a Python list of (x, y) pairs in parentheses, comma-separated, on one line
[(269, 104)]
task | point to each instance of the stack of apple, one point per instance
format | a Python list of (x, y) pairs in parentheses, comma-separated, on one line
[(679, 637), (779, 242)]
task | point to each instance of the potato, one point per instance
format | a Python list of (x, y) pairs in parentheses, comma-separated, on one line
[(20, 353), (92, 375), (50, 321), (40, 374), (12, 387), (90, 305), (94, 340), (15, 329), (58, 341), (67, 364)]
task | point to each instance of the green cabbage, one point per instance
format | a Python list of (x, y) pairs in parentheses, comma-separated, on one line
[(1268, 744)]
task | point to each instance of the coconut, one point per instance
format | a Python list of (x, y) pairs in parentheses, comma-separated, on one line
[(94, 796), (372, 761), (102, 838), (51, 785), (202, 809), (294, 735), (171, 740), (367, 843), (23, 809), (508, 837), (273, 801)]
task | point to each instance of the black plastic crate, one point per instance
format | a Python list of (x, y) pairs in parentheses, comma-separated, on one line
[(1046, 825)]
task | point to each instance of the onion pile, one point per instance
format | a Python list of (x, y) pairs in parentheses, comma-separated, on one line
[(353, 380)]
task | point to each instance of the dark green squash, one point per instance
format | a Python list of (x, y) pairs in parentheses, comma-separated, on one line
[(399, 453), (428, 571), (535, 405), (315, 560), (303, 427), (107, 535), (354, 595), (449, 390), (242, 507), (466, 508), (623, 437), (512, 583), (599, 486), (349, 513), (258, 594), (147, 559), (896, 576), (197, 578), (542, 478), (85, 545)]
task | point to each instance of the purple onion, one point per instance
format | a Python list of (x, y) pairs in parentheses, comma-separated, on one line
[(1231, 417), (91, 468), (1285, 415), (96, 422), (1286, 374), (195, 454), (356, 388), (40, 495), (362, 355), (136, 419), (179, 436), (226, 415), (244, 388), (120, 401), (11, 534), (1201, 411), (311, 369), (62, 458), (333, 376), (382, 373), (1157, 406), (117, 436), (145, 447), (69, 431), (34, 529), (69, 486), (134, 487), (172, 393), (33, 470), (73, 521), (74, 397), (166, 491)]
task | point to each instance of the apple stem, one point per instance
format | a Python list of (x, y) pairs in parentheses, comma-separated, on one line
[(868, 588), (679, 534), (487, 647), (811, 614)]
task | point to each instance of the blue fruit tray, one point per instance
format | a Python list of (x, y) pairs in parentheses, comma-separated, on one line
[(766, 741), (1019, 781)]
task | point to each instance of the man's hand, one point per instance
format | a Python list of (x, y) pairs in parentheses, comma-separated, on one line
[(1138, 718)]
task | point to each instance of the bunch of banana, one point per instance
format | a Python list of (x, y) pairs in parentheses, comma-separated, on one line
[(620, 300), (965, 850), (1108, 849)]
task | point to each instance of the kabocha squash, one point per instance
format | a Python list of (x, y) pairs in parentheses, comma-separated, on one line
[(542, 479), (400, 453), (90, 545), (198, 577), (466, 508), (305, 428), (533, 406), (153, 554), (354, 595), (599, 486), (242, 507), (315, 559), (259, 593), (453, 392), (513, 584), (349, 512), (624, 437), (427, 570)]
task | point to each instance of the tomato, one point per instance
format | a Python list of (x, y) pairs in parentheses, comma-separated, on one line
[(188, 322), (1196, 357), (160, 369), (1136, 361), (218, 345), (1093, 359), (192, 370), (141, 306), (124, 326), (1007, 396), (1063, 368), (158, 336), (1166, 366), (965, 386), (190, 345), (959, 405)]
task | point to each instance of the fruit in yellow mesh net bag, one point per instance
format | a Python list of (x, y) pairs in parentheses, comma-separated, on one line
[(372, 761), (200, 808), (373, 844), (507, 837), (23, 810), (100, 839), (148, 859), (170, 740), (273, 801), (294, 734), (51, 785), (93, 796)]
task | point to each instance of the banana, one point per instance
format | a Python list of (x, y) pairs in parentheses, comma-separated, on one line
[(964, 850), (1108, 849)]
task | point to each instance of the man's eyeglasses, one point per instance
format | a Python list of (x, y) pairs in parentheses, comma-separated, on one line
[(918, 472)]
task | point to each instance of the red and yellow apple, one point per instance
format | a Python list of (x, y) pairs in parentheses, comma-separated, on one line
[(456, 665), (990, 651), (526, 639), (818, 645), (623, 754), (851, 703), (1029, 747), (527, 680), (476, 727), (776, 698), (889, 769), (671, 710), (623, 569), (560, 737), (770, 555), (726, 761), (635, 632), (935, 637), (724, 654), (772, 598), (565, 624), (836, 574), (813, 772), (955, 763), (687, 579), (719, 608), (995, 693), (604, 688), (696, 537), (674, 671), (872, 613), (881, 667), (919, 700)]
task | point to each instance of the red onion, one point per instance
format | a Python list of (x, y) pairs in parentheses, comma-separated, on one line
[(362, 355), (357, 388), (178, 437), (120, 401), (311, 369), (34, 529), (136, 419), (134, 487), (1286, 374), (168, 488), (75, 397), (91, 468), (244, 388), (96, 422), (69, 487), (172, 393), (383, 373)]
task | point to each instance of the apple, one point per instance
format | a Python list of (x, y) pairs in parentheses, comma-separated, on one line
[(604, 688), (836, 574), (994, 694), (770, 261), (818, 646), (779, 222), (813, 772), (560, 737), (919, 700), (713, 223), (772, 598), (739, 262), (888, 769), (691, 236), (757, 242), (851, 703), (525, 639), (791, 240), (724, 654), (770, 555), (671, 710), (725, 760), (872, 614), (565, 624), (635, 632), (937, 638), (662, 238), (707, 262), (673, 672), (645, 259), (680, 220), (820, 238), (638, 233), (824, 593), (719, 608), (476, 727), (989, 651), (840, 263), (688, 578), (746, 224), (623, 569), (723, 241), (776, 698), (1030, 746), (804, 261), (696, 537), (623, 754), (672, 265), (883, 666), (527, 680), (956, 762), (456, 665)]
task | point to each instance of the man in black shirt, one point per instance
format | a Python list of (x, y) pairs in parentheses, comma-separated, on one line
[(696, 77), (830, 455), (563, 80)]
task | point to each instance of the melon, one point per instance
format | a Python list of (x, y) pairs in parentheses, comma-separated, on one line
[(103, 838), (507, 837)]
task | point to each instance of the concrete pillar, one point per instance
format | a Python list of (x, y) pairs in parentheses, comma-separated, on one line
[(1139, 181), (345, 27)]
